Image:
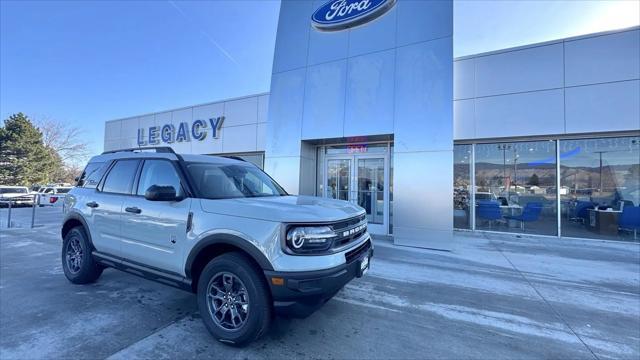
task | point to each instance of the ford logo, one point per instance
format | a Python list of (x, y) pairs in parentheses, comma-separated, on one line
[(343, 14)]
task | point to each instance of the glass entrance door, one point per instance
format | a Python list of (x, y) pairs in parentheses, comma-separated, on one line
[(370, 177), (361, 179), (338, 179)]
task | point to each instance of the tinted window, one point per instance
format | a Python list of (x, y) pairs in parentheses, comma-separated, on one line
[(222, 181), (159, 172), (120, 178), (63, 190), (13, 190), (92, 174)]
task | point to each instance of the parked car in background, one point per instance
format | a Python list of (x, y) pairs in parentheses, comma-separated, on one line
[(16, 195), (53, 196)]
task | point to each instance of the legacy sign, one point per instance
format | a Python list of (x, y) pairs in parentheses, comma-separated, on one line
[(168, 133), (343, 14)]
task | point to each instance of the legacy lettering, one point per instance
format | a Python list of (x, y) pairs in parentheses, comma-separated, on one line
[(169, 134)]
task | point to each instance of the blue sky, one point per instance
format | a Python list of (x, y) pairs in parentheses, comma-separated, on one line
[(87, 62)]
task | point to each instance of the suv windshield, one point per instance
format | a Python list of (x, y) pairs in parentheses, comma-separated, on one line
[(227, 181), (13, 190)]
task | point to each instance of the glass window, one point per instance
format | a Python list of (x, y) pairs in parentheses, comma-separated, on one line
[(92, 174), (255, 158), (391, 189), (159, 172), (225, 181), (516, 187), (461, 186), (13, 190), (600, 187), (320, 171), (120, 178)]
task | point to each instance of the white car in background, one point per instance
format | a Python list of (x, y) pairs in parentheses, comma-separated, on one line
[(16, 195), (53, 196)]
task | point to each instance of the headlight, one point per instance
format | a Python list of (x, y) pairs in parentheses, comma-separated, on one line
[(306, 239)]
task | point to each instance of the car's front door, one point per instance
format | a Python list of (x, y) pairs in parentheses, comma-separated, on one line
[(154, 232)]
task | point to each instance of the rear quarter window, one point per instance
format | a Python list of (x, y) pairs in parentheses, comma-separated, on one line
[(92, 174)]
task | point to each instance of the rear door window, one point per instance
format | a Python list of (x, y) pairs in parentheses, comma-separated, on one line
[(120, 177)]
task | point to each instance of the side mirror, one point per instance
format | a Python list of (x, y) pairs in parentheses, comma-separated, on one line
[(160, 193)]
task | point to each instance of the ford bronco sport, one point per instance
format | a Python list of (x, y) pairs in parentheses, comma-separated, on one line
[(219, 227)]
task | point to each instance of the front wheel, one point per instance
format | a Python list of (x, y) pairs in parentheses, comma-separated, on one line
[(233, 299), (77, 262)]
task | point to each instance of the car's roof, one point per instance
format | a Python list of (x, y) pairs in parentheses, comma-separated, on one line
[(165, 155)]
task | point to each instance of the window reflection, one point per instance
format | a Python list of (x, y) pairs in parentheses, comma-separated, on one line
[(461, 186), (600, 188), (516, 187)]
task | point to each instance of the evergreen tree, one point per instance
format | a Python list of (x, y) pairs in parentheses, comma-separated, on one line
[(24, 159)]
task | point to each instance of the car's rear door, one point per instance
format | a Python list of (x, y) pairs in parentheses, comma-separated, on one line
[(154, 232), (105, 206)]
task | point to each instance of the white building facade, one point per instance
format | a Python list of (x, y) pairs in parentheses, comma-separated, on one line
[(542, 139)]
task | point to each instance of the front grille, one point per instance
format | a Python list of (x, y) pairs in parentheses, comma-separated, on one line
[(22, 198), (354, 254), (349, 230)]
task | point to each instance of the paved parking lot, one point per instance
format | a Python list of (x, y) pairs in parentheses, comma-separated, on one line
[(492, 297)]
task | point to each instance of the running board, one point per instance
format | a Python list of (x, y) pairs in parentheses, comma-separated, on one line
[(143, 271)]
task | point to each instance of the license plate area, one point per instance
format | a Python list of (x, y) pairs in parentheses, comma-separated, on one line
[(363, 265)]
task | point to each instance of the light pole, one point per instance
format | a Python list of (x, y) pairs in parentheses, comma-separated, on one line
[(515, 169), (504, 148)]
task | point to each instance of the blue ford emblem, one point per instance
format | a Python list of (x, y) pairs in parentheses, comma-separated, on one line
[(343, 14)]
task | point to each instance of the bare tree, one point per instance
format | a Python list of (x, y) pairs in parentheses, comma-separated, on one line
[(64, 139)]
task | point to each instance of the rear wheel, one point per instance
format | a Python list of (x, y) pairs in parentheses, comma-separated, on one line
[(77, 262), (233, 298)]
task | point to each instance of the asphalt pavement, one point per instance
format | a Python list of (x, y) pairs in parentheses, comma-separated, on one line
[(492, 297)]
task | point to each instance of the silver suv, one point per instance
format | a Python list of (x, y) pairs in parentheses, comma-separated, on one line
[(219, 227)]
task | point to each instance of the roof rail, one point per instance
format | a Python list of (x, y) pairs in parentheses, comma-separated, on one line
[(158, 149)]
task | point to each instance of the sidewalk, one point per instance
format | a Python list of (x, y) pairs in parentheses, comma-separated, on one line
[(492, 297)]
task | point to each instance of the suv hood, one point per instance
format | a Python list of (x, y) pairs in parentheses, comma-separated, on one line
[(284, 208)]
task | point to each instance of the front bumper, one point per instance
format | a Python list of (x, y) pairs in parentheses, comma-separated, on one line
[(299, 294)]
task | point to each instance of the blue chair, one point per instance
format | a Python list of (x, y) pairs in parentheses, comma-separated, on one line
[(629, 219), (581, 211), (530, 213), (489, 210)]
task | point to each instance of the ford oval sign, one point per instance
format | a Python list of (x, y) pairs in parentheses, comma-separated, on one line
[(343, 14)]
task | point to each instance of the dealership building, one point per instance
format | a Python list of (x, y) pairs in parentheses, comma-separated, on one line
[(368, 105)]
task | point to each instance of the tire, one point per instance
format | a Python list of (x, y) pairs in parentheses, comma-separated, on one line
[(84, 269), (257, 297)]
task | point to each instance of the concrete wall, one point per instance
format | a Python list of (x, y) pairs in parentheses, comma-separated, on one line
[(392, 76), (579, 85), (243, 129)]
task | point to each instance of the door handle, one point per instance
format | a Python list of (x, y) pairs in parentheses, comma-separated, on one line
[(92, 204), (133, 210)]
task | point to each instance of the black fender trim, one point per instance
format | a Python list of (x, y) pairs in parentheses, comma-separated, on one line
[(78, 217), (227, 239)]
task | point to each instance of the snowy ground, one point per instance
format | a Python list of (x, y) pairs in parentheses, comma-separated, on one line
[(492, 297)]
